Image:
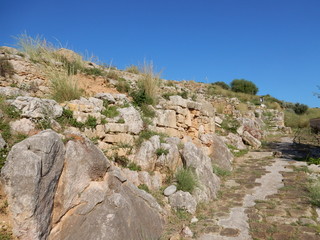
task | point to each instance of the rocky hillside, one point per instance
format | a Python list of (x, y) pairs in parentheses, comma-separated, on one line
[(109, 163)]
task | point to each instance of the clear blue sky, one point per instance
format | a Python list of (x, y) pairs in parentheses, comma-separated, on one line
[(274, 43)]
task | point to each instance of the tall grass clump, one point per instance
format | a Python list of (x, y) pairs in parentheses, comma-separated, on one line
[(314, 193), (132, 69), (148, 85), (186, 180), (63, 87)]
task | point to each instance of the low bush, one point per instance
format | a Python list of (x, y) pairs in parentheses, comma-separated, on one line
[(314, 193), (122, 85), (6, 68), (91, 122), (144, 187), (230, 124), (134, 167), (243, 86), (186, 180), (220, 172), (111, 111), (222, 84), (147, 111), (122, 160), (147, 134), (162, 151), (93, 71)]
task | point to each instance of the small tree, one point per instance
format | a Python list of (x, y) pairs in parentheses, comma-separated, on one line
[(300, 108), (244, 86)]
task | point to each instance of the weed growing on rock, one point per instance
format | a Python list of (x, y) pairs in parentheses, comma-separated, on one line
[(314, 193), (134, 167), (110, 111), (144, 187), (91, 122), (112, 74), (93, 71), (122, 85), (121, 160), (230, 124), (162, 151), (186, 180), (147, 134), (220, 172)]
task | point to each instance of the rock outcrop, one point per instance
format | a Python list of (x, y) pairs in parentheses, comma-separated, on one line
[(30, 177), (209, 183)]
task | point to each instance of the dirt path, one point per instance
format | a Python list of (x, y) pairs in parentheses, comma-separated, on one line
[(264, 198)]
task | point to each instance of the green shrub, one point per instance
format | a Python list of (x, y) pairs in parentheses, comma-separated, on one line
[(6, 68), (132, 69), (314, 160), (11, 111), (93, 71), (44, 124), (121, 120), (91, 122), (147, 134), (3, 156), (140, 97), (122, 160), (293, 120), (147, 111), (5, 129), (148, 85), (300, 108), (244, 86), (111, 111), (220, 172), (167, 95), (63, 87), (161, 151), (134, 167), (183, 94), (222, 84), (122, 85), (144, 187), (230, 124), (314, 193), (186, 180), (112, 74)]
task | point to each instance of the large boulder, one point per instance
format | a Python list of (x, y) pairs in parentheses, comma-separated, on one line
[(95, 201), (32, 107), (219, 153), (195, 159), (30, 177), (251, 140), (183, 200)]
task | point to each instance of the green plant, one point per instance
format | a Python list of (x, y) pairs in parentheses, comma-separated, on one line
[(63, 87), (183, 94), (147, 111), (167, 95), (162, 151), (147, 134), (186, 180), (121, 120), (314, 193), (183, 214), (11, 111), (122, 160), (220, 172), (134, 167), (230, 124), (312, 160), (112, 74), (243, 86), (93, 71), (147, 85), (3, 156), (91, 122), (222, 84), (6, 68), (110, 111), (144, 187), (122, 85), (300, 108), (44, 124), (132, 69)]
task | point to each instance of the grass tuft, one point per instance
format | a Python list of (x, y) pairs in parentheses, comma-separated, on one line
[(186, 180)]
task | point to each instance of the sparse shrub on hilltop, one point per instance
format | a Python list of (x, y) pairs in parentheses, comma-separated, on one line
[(244, 86), (300, 108), (132, 69), (222, 84)]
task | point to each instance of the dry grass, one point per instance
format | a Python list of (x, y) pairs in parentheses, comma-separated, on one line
[(149, 81), (63, 85)]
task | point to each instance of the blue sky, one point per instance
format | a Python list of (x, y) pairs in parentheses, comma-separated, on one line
[(273, 43)]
